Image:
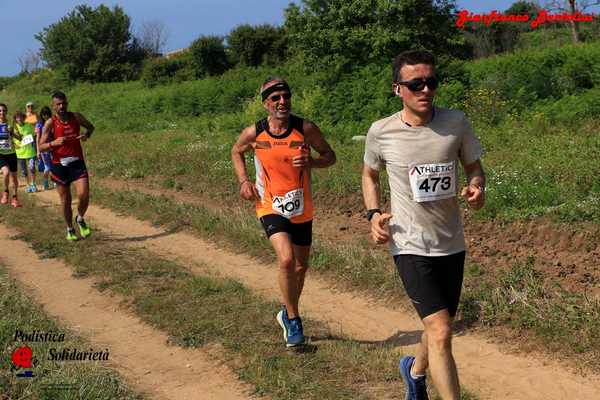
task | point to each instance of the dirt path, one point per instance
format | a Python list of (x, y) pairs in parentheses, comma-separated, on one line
[(563, 253), (139, 352), (482, 366)]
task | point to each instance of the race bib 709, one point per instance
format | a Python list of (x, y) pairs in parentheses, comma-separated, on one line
[(430, 182), (290, 204)]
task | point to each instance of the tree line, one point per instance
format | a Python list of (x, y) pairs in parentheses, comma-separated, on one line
[(97, 44)]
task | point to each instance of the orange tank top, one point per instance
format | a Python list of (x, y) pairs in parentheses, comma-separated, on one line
[(283, 188)]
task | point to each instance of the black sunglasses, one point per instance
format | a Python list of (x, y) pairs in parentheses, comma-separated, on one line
[(416, 85), (276, 98)]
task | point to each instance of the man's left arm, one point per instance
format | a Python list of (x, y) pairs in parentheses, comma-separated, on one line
[(314, 138), (86, 124), (474, 192)]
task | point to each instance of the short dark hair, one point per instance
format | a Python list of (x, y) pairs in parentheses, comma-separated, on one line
[(59, 95), (4, 105), (410, 57), (45, 112)]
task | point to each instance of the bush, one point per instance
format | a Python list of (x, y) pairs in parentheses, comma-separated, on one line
[(7, 80), (451, 95), (571, 111), (344, 34), (39, 85), (160, 71), (252, 45), (209, 56), (526, 77)]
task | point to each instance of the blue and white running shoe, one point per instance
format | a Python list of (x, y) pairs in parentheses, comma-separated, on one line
[(416, 389), (293, 333)]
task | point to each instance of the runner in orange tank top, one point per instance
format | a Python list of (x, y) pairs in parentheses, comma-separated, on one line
[(283, 188), (282, 144)]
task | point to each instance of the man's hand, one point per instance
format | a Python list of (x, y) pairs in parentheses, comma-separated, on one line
[(474, 195), (59, 141), (302, 160), (379, 230), (248, 191)]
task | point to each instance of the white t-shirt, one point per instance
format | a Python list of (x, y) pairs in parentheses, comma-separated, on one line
[(422, 166)]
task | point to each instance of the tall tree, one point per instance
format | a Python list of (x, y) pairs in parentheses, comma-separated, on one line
[(572, 6), (92, 44), (153, 36), (29, 62), (499, 37), (209, 56), (350, 32), (251, 45)]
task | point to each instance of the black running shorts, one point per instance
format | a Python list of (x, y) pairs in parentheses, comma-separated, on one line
[(301, 234), (9, 160), (65, 174), (432, 283)]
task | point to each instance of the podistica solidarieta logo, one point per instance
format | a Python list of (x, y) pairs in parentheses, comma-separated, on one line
[(24, 360)]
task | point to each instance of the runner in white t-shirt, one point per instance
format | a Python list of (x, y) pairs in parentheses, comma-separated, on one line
[(421, 148)]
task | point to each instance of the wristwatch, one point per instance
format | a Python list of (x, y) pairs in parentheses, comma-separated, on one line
[(480, 187), (372, 212)]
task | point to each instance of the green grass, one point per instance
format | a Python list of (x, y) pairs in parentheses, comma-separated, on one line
[(352, 265), (564, 322), (200, 310), (84, 380), (548, 315), (556, 37), (534, 169), (535, 116), (539, 169)]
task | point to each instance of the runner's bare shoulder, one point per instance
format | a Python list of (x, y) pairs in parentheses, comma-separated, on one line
[(248, 136)]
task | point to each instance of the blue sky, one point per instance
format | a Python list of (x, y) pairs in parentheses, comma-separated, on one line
[(184, 19)]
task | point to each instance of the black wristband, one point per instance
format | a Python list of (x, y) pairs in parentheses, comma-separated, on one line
[(372, 212)]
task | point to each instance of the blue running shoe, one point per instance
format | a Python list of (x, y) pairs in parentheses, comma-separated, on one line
[(284, 322), (416, 389), (293, 333)]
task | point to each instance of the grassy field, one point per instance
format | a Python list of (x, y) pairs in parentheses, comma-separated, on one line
[(162, 293), (52, 380), (520, 298), (535, 112)]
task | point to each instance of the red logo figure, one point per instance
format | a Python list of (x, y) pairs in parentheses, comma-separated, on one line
[(21, 357)]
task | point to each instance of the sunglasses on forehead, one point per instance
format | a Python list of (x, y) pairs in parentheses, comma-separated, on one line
[(416, 85), (277, 97)]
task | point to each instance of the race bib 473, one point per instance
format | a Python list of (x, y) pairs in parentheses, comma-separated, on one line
[(430, 182)]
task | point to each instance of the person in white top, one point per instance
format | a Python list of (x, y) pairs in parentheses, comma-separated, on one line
[(420, 147)]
